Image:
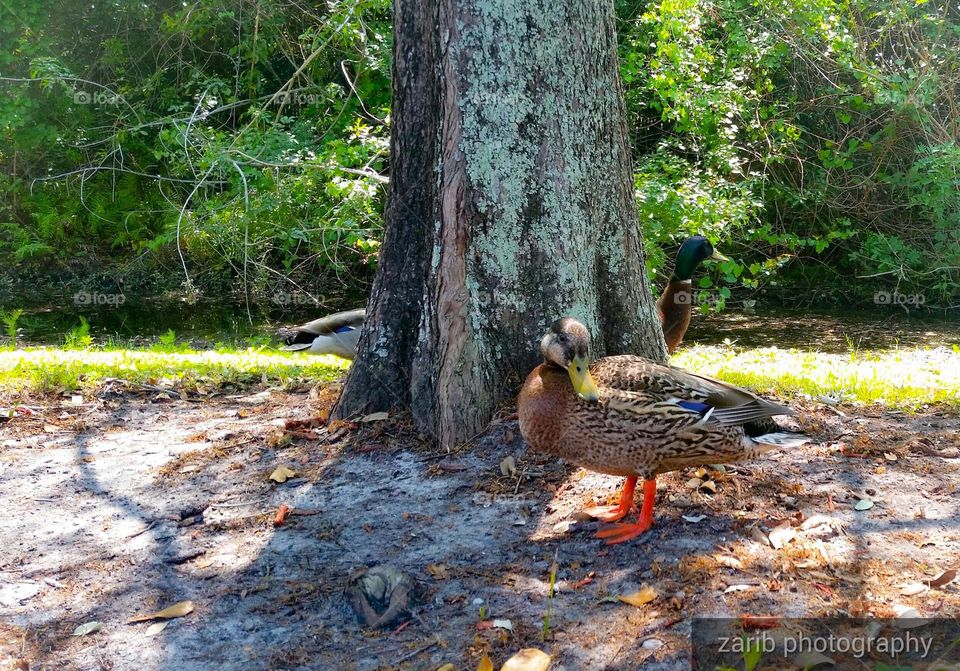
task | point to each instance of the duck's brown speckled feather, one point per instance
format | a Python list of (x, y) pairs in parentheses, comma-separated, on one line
[(636, 427)]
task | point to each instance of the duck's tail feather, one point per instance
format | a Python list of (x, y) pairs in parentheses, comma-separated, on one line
[(749, 412), (782, 439)]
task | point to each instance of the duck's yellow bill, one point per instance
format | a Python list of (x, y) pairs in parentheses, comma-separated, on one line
[(583, 383), (717, 256)]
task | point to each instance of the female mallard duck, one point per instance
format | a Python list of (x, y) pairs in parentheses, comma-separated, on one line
[(676, 303), (626, 415), (337, 334)]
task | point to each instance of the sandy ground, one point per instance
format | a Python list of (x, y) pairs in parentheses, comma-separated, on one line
[(133, 500)]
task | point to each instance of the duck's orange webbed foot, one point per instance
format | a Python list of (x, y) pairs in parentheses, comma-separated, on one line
[(618, 512), (619, 533)]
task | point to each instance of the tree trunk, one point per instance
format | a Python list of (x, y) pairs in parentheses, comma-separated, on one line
[(510, 205)]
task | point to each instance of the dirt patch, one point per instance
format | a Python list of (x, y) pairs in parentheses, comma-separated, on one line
[(129, 502)]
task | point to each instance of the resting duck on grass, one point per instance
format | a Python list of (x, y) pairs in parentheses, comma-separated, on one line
[(626, 415), (337, 334), (676, 303)]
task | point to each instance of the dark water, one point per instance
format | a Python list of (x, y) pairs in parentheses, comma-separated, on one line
[(207, 322), (203, 323)]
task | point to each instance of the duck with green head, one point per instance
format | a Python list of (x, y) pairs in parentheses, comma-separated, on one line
[(626, 415), (676, 303)]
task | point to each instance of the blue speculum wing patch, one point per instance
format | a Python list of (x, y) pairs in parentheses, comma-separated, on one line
[(345, 329), (701, 408)]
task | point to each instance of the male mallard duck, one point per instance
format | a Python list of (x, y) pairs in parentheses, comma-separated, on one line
[(337, 334), (676, 303), (626, 415)]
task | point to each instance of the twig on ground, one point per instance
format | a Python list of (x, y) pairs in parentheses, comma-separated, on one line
[(142, 531), (421, 649)]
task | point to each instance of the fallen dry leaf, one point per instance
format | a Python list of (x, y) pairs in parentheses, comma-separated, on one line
[(781, 535), (508, 466), (156, 628), (639, 598), (484, 665), (502, 624), (863, 504), (279, 439), (204, 562), (375, 417), (907, 617), (913, 588), (528, 659), (336, 425), (586, 581), (438, 571), (944, 578), (282, 474), (88, 628), (281, 515), (759, 536), (759, 621), (821, 526), (738, 588), (694, 519), (176, 610), (728, 561)]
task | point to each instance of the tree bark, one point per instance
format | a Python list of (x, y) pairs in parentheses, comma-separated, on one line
[(510, 205)]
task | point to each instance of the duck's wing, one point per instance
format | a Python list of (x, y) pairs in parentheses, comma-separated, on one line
[(645, 413), (660, 383), (676, 415), (336, 323)]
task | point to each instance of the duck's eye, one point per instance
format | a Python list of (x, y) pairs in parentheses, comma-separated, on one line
[(579, 369)]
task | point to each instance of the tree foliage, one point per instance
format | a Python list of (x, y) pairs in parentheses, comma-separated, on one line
[(243, 139), (816, 141)]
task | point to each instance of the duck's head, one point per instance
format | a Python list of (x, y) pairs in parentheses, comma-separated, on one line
[(567, 345), (694, 249)]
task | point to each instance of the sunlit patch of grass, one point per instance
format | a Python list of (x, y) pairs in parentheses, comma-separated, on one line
[(51, 369), (904, 378)]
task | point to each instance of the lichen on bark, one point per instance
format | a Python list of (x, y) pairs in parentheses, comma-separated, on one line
[(533, 215)]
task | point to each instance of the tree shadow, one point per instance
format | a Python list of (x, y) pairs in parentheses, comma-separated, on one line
[(481, 544)]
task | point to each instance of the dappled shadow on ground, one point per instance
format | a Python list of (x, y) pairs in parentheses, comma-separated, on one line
[(836, 332), (130, 503)]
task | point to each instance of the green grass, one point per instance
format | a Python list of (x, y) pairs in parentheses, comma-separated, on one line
[(905, 379), (53, 369)]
